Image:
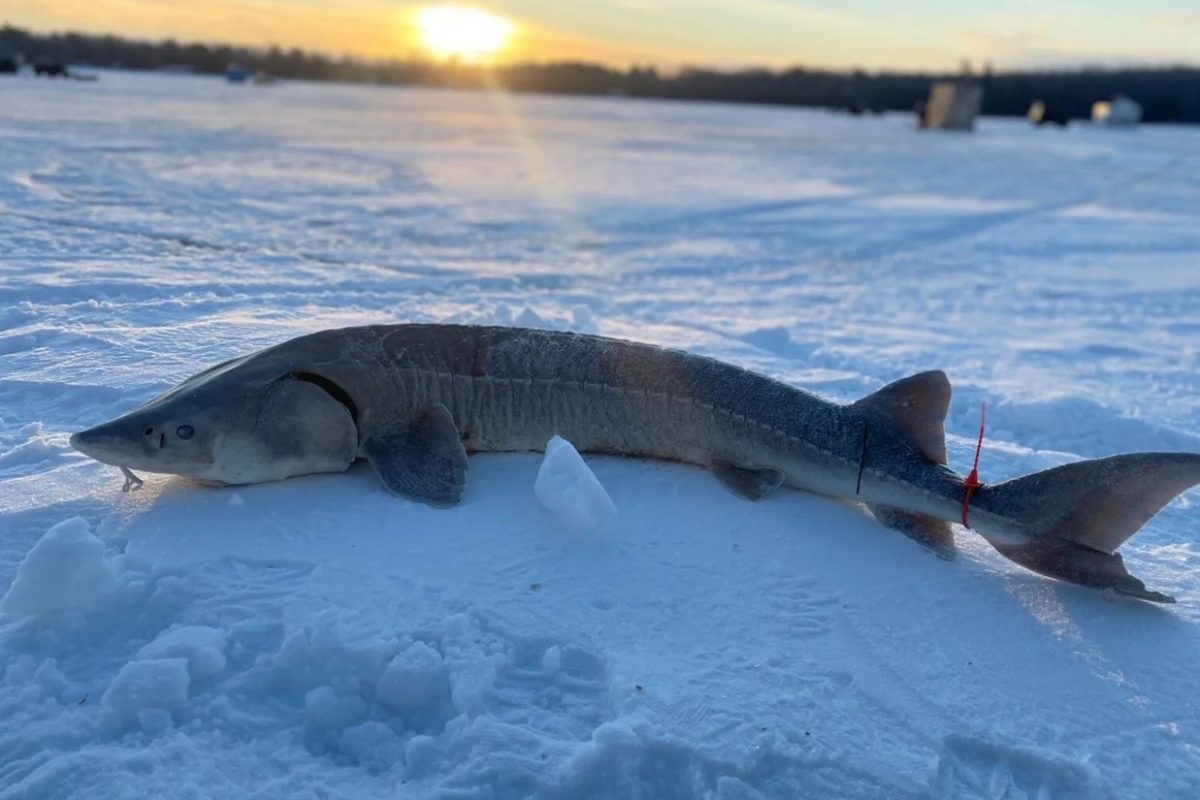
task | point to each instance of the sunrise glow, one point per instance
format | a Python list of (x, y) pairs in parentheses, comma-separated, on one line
[(462, 33)]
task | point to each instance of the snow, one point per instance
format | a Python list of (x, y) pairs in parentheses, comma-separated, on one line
[(145, 690), (569, 490), (66, 571), (978, 768), (202, 647), (318, 637), (414, 682)]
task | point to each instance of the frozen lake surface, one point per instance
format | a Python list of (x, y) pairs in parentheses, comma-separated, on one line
[(319, 638)]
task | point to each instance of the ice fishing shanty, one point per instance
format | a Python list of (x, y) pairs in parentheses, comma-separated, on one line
[(952, 106)]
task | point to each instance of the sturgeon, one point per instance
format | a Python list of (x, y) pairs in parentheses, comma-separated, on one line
[(414, 400)]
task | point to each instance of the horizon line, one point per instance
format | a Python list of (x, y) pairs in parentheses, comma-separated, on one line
[(985, 68)]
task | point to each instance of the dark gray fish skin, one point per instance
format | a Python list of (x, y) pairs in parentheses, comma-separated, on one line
[(512, 389), (414, 399)]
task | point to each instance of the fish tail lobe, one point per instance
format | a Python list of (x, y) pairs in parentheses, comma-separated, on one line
[(1076, 516)]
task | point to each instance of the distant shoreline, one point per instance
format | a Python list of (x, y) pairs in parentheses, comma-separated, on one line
[(1167, 94)]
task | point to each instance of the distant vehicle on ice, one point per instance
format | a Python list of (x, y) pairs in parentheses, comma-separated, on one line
[(50, 69), (236, 73), (1042, 114), (10, 62)]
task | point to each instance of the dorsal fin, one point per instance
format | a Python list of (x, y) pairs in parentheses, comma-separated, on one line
[(917, 405)]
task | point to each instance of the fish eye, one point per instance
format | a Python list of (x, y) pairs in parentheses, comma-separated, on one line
[(148, 432), (184, 431)]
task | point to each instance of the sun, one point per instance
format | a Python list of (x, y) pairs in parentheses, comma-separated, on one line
[(463, 33)]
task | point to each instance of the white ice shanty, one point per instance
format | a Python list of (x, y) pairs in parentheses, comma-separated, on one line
[(1120, 112), (952, 105)]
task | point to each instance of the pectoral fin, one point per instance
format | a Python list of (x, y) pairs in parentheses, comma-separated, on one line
[(752, 483), (934, 534), (423, 460)]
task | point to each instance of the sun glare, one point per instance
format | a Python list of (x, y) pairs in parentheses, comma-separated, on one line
[(463, 33)]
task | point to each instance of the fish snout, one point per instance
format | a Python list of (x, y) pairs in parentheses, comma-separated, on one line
[(90, 442), (110, 443)]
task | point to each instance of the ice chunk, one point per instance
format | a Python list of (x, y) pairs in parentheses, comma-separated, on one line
[(154, 684), (569, 490), (203, 647), (414, 680), (66, 570)]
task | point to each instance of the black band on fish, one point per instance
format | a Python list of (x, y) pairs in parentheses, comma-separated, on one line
[(330, 388), (862, 462)]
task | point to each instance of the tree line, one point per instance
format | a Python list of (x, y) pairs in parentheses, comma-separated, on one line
[(1167, 94)]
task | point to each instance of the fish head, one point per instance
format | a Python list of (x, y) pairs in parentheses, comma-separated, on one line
[(173, 443), (236, 423)]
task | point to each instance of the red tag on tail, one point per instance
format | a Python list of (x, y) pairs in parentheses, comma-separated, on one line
[(972, 484)]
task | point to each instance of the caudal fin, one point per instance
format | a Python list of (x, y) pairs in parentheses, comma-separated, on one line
[(1077, 515)]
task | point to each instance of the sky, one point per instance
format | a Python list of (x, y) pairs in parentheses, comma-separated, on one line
[(871, 34)]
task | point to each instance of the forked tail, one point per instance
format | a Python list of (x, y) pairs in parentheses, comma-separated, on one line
[(1077, 515)]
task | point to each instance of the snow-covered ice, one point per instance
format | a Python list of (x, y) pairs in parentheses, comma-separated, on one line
[(320, 638)]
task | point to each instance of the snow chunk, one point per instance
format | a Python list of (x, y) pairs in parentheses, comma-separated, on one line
[(552, 660), (154, 720), (323, 709), (373, 745), (569, 490), (66, 570), (414, 680), (420, 752), (614, 757), (159, 684), (202, 647)]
